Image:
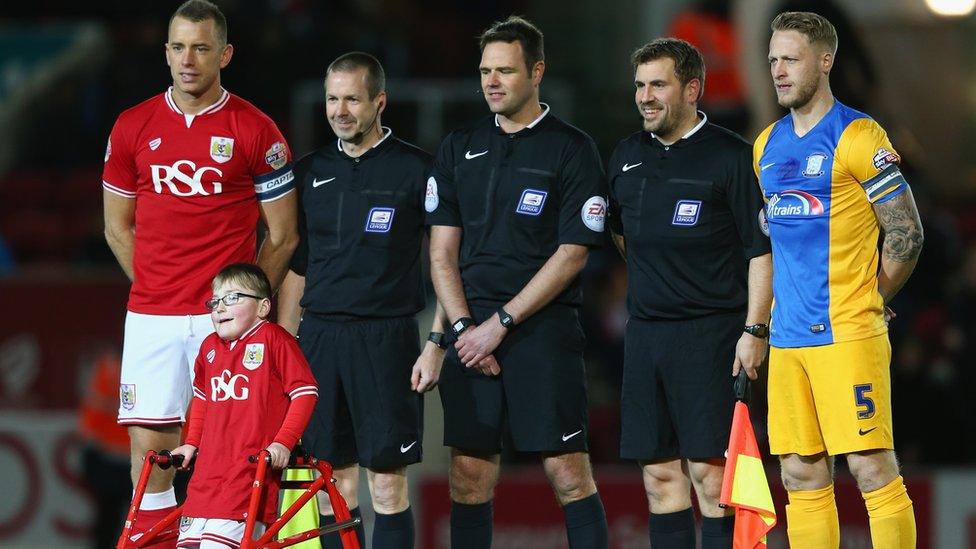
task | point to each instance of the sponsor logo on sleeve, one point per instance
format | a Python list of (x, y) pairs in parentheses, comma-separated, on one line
[(431, 198), (277, 155), (686, 213), (379, 220), (531, 202), (814, 165), (108, 149), (221, 148), (594, 213), (883, 157), (253, 356), (127, 395)]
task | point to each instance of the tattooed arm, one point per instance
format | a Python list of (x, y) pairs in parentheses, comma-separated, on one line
[(903, 237)]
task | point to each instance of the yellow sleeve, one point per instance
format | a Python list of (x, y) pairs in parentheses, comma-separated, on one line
[(869, 157), (758, 148)]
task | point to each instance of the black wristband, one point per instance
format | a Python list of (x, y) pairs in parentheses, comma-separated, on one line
[(462, 324), (437, 338), (757, 330), (506, 319)]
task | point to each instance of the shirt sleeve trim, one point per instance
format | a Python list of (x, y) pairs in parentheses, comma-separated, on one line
[(116, 190)]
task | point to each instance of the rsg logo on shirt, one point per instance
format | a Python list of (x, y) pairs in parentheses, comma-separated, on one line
[(225, 387), (184, 179)]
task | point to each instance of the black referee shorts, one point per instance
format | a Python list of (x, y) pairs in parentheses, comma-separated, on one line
[(540, 395), (366, 412), (677, 398)]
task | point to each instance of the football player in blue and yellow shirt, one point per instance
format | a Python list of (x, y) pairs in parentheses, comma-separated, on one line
[(831, 182)]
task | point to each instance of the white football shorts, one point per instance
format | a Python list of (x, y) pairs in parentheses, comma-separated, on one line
[(205, 533)]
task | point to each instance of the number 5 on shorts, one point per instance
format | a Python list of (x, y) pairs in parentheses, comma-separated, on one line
[(864, 402)]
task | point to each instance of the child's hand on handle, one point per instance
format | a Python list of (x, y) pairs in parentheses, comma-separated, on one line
[(188, 451), (279, 455)]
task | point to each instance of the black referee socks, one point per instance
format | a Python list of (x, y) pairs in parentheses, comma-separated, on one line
[(717, 532), (586, 523), (471, 525), (672, 530), (332, 541), (393, 531)]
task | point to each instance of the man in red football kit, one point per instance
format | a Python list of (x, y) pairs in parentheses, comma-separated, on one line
[(252, 390), (187, 175)]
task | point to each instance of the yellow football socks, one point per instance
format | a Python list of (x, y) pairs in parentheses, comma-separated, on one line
[(811, 519), (892, 516)]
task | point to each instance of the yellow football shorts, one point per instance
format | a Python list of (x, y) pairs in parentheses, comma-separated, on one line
[(834, 398)]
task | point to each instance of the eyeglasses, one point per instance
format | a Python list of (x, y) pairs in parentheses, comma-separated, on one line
[(232, 298)]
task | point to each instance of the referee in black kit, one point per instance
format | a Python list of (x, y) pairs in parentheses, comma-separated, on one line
[(515, 202), (359, 262), (686, 213)]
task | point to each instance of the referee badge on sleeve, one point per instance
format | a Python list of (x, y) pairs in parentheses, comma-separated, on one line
[(594, 213)]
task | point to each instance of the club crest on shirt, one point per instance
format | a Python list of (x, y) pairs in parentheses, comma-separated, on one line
[(379, 220), (155, 143), (276, 156), (531, 202), (814, 165), (127, 395), (221, 148), (431, 199), (686, 213), (253, 355)]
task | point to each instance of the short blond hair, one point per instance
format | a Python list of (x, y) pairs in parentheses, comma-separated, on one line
[(816, 28)]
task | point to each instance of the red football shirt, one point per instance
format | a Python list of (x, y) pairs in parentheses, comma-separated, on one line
[(246, 386), (196, 180)]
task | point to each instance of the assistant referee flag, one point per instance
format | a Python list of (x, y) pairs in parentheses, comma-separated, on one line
[(744, 485)]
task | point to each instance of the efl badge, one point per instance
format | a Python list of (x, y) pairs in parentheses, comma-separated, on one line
[(127, 395), (210, 355), (884, 157), (594, 213), (763, 222), (185, 523), (108, 149), (814, 165), (431, 199), (155, 143), (221, 148), (379, 220), (276, 156), (253, 355), (686, 213), (531, 202)]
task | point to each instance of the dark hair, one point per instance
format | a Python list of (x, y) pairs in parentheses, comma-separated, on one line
[(816, 28), (516, 28), (251, 277), (202, 10), (688, 61), (355, 60)]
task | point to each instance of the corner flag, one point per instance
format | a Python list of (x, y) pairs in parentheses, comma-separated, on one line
[(744, 485)]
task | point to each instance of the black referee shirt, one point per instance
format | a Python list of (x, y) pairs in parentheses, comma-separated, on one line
[(518, 197), (361, 222), (690, 216)]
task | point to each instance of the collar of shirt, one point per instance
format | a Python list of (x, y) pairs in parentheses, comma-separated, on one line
[(216, 106), (387, 132), (529, 127), (701, 123)]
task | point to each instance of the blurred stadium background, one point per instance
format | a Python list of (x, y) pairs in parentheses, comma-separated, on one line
[(68, 68)]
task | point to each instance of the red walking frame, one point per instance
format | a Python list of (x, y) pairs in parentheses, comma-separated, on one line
[(164, 530)]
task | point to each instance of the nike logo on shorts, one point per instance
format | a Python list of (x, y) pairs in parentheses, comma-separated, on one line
[(862, 432), (405, 449), (571, 435), (469, 156)]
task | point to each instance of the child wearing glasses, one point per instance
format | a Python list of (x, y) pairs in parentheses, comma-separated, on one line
[(252, 391)]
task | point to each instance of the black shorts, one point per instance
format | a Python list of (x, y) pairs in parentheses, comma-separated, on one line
[(540, 395), (366, 412), (677, 397)]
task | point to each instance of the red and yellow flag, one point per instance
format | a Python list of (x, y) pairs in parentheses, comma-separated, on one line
[(744, 485)]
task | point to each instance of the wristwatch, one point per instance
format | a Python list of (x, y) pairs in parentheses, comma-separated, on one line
[(437, 338), (462, 324), (757, 330), (506, 319)]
